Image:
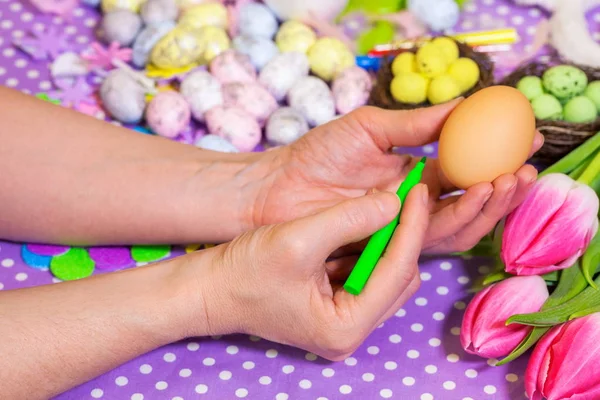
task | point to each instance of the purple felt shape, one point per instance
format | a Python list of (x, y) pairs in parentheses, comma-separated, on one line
[(111, 258), (47, 249)]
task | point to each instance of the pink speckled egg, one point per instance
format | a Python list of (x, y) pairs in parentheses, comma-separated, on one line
[(233, 66), (168, 114), (351, 89), (251, 97), (234, 124)]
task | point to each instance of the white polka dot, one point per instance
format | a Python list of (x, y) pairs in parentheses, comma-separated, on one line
[(8, 262), (328, 372), (452, 358), (416, 328), (161, 385), (484, 269), (443, 290), (455, 330), (12, 82), (305, 384), (9, 52), (511, 378), (428, 149), (467, 25), (57, 20), (492, 362), (471, 373), (288, 369), (463, 280), (81, 39), (351, 361), (431, 369), (282, 396), (446, 266), (254, 338), (1, 286), (241, 393), (460, 305), (248, 365), (408, 381), (517, 20), (449, 385), (97, 393), (531, 30), (26, 17), (401, 313), (395, 338), (265, 380), (489, 389), (426, 396), (421, 301), (146, 369), (502, 10), (386, 393), (169, 357), (368, 377), (208, 361), (20, 63), (412, 354), (373, 350), (70, 30), (225, 375), (137, 396), (21, 276), (185, 373), (435, 342), (271, 353), (121, 381), (232, 350), (345, 389), (177, 398), (6, 24), (90, 22), (78, 12), (390, 365), (534, 12), (310, 356), (32, 74), (15, 7), (2, 71), (469, 398), (38, 26), (201, 389), (438, 316), (45, 85)]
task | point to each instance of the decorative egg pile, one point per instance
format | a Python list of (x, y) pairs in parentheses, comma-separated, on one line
[(435, 73), (239, 78), (563, 93)]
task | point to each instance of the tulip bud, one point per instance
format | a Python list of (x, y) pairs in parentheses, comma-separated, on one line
[(552, 228), (564, 364), (484, 331)]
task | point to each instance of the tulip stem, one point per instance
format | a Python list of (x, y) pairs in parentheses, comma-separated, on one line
[(591, 260), (572, 160), (526, 344), (592, 171)]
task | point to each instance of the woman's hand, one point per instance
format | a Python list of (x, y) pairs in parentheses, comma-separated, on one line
[(351, 155), (278, 283)]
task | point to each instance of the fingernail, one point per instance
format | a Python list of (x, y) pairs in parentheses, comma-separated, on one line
[(386, 204), (425, 194), (488, 195)]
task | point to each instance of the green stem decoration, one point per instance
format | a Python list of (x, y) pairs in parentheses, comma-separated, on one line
[(572, 160)]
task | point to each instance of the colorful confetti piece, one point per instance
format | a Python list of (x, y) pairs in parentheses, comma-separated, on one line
[(150, 253), (73, 265)]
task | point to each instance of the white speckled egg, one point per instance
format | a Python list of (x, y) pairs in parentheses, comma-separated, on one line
[(202, 91), (214, 41), (157, 11), (283, 71), (235, 125), (313, 99), (216, 143), (121, 26), (233, 66), (122, 97), (351, 89), (112, 5), (257, 20), (168, 114), (211, 13), (252, 98), (147, 39), (328, 57), (285, 126), (260, 50)]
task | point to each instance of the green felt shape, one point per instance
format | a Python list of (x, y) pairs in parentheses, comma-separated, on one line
[(74, 264), (149, 253), (44, 96), (374, 6), (383, 32)]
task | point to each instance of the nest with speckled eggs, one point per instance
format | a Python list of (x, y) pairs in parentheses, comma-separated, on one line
[(561, 137), (381, 95)]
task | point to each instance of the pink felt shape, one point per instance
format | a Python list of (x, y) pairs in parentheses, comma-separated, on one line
[(111, 258), (551, 228), (100, 58), (484, 331)]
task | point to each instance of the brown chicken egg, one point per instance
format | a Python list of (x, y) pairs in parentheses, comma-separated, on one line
[(487, 135)]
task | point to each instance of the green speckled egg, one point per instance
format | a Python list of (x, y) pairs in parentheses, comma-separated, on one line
[(531, 87), (547, 107), (580, 110), (592, 92), (565, 81)]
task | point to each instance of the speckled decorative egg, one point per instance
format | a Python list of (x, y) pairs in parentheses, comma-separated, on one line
[(565, 81), (122, 97), (233, 66), (257, 20), (235, 125), (328, 57), (168, 114), (260, 50), (252, 98), (121, 26), (283, 71), (211, 13), (216, 143), (157, 11), (313, 99), (214, 41), (285, 126), (295, 36), (147, 39), (178, 48), (438, 15), (351, 89), (202, 91), (112, 5)]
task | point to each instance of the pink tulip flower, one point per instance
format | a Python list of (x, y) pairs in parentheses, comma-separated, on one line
[(484, 331), (552, 228), (564, 364)]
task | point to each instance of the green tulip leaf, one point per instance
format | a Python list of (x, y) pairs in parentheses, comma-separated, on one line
[(551, 276), (591, 260), (572, 160), (495, 277), (577, 172), (527, 343)]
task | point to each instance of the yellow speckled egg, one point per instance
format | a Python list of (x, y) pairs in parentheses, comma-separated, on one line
[(464, 71), (177, 49), (205, 14), (404, 62), (487, 135), (214, 41), (430, 61), (131, 5), (443, 88), (328, 57), (185, 4), (295, 36), (409, 87)]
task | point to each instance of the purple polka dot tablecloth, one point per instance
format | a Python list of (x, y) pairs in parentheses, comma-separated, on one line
[(416, 355)]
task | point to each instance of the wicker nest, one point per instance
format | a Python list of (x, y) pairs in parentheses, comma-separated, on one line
[(560, 137), (381, 95)]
